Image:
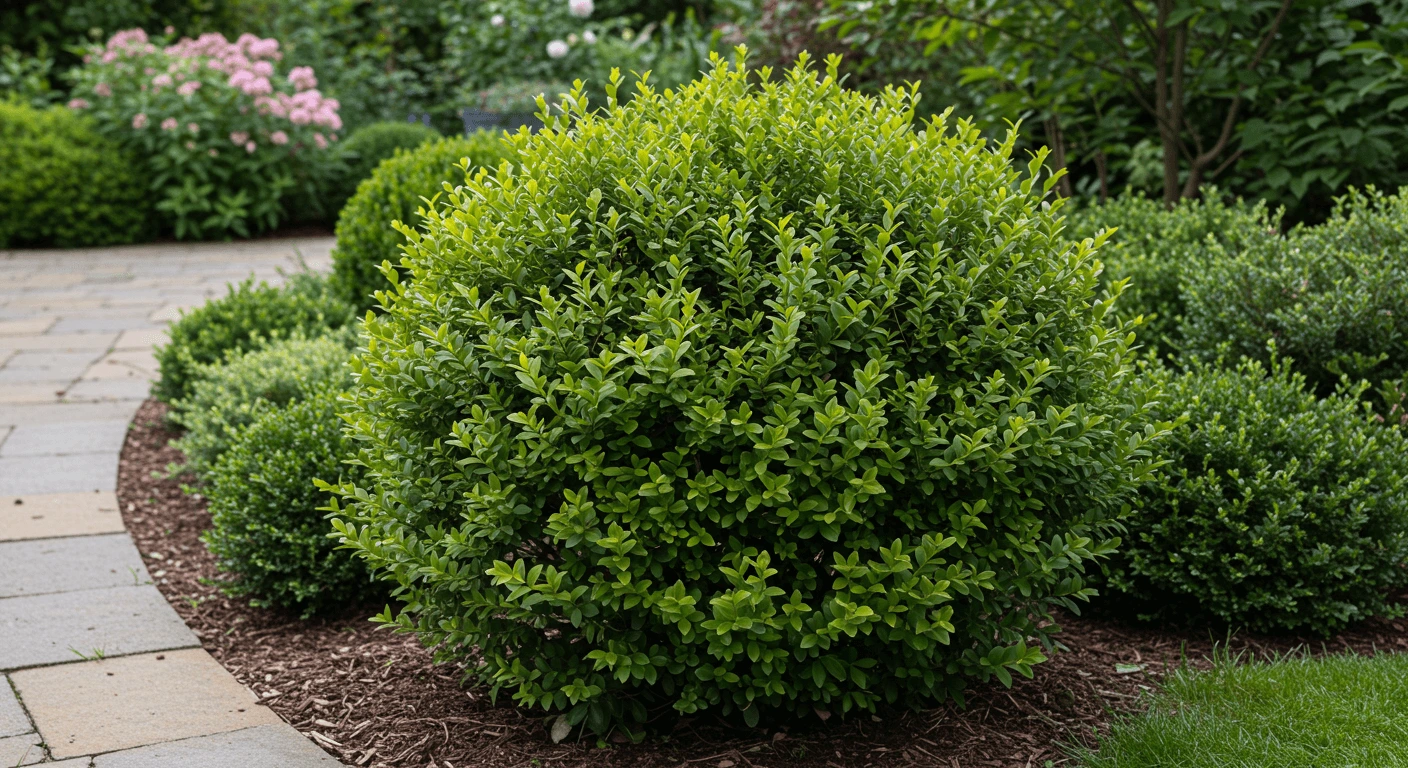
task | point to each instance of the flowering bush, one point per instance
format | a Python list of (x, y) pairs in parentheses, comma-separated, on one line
[(225, 136)]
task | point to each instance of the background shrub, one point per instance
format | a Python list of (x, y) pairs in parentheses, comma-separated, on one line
[(367, 147), (745, 397), (63, 184), (1280, 512), (394, 192), (266, 527), (1331, 297), (234, 393), (247, 317), (1154, 247)]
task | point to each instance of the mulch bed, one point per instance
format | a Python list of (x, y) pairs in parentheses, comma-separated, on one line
[(372, 698)]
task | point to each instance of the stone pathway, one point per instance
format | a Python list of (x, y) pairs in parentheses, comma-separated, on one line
[(96, 669)]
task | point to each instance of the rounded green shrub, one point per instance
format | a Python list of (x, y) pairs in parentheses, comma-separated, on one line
[(1280, 511), (1154, 247), (63, 184), (1331, 297), (367, 147), (395, 192), (246, 318), (748, 396), (267, 529), (234, 393)]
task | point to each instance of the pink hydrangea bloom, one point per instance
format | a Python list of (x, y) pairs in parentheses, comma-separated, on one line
[(169, 124), (193, 127), (162, 81), (139, 120), (189, 87), (300, 116), (78, 104), (239, 137), (320, 141), (249, 147), (103, 89), (263, 69), (191, 145), (279, 138)]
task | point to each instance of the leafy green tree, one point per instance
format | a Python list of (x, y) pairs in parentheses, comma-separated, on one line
[(1277, 95)]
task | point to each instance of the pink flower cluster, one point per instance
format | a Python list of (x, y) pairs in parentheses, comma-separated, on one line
[(128, 42), (302, 108)]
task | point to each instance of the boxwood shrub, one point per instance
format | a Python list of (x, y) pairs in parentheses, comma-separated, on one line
[(62, 184), (247, 317), (368, 146), (1331, 297), (1280, 512), (234, 393), (394, 192), (750, 397), (267, 530), (1154, 247)]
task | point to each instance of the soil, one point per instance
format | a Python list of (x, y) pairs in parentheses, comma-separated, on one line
[(371, 698)]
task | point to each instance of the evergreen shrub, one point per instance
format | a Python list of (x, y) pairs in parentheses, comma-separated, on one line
[(367, 147), (1155, 248), (1280, 511), (749, 396), (1331, 297), (267, 529), (246, 318), (395, 191), (234, 393), (63, 184)]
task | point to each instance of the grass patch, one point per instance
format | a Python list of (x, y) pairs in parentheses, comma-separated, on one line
[(1329, 712)]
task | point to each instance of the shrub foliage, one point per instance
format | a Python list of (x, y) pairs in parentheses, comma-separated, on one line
[(366, 148), (751, 397), (396, 190), (1331, 297), (1154, 247), (63, 184), (267, 529), (1280, 512), (247, 317), (227, 396)]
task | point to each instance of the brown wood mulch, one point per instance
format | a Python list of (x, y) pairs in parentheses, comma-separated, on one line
[(372, 698)]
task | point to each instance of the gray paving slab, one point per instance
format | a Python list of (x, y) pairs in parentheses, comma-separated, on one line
[(266, 745), (132, 388), (21, 750), (70, 626), (44, 566), (13, 720), (64, 362), (10, 376), (65, 438), (20, 414), (23, 475)]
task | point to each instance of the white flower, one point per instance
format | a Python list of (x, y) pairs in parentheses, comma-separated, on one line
[(497, 20), (557, 49), (589, 37), (580, 8)]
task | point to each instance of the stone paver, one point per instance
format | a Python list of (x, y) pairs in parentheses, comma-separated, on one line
[(101, 662), (27, 326), (46, 515), (13, 721), (70, 626), (21, 750), (66, 438), (144, 338), (262, 746), (164, 697), (46, 566), (20, 475)]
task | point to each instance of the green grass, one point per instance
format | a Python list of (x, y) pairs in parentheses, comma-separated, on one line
[(1331, 712)]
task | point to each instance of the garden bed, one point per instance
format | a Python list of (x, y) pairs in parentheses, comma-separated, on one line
[(372, 698)]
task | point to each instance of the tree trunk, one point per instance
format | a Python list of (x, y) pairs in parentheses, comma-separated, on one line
[(1057, 141)]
